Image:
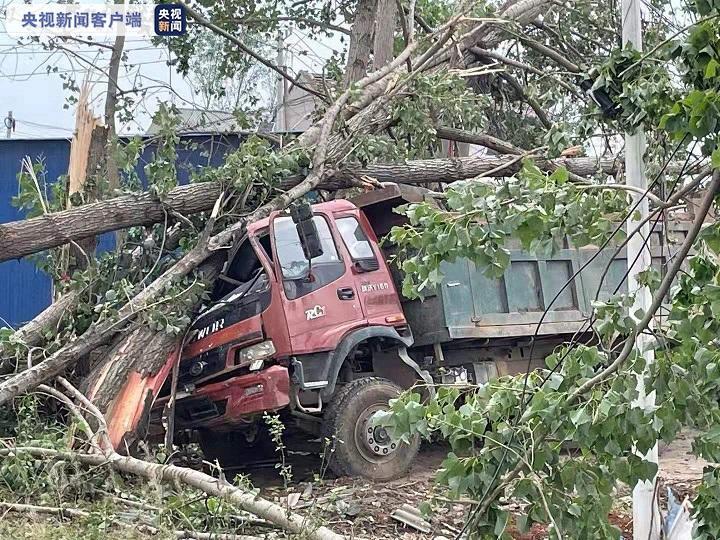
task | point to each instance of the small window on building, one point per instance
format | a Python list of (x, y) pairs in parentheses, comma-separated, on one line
[(300, 276), (357, 243)]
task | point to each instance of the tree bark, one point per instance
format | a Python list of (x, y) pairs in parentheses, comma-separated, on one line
[(33, 333), (384, 33), (426, 171), (361, 40), (20, 238), (96, 169), (480, 139)]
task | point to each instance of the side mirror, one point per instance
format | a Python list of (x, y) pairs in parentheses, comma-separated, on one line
[(302, 217)]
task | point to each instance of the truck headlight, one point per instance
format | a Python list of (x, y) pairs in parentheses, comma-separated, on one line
[(255, 354)]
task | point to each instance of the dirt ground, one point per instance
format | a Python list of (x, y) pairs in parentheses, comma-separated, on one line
[(361, 509)]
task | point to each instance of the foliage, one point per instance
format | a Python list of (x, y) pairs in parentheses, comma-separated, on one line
[(530, 418), (98, 490), (276, 429), (436, 99), (479, 218), (161, 171), (36, 195), (707, 504), (255, 170)]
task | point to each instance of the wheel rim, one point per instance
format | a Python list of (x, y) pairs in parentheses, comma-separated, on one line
[(373, 442)]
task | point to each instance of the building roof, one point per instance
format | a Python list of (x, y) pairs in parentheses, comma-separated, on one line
[(201, 121)]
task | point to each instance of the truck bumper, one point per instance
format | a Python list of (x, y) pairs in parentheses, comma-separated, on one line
[(228, 403)]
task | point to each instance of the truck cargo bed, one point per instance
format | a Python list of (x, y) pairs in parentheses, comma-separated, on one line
[(469, 305)]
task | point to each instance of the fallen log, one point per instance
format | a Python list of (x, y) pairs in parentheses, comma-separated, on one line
[(21, 238), (173, 474), (33, 333), (425, 171)]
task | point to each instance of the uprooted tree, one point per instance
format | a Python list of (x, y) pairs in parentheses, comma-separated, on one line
[(534, 82)]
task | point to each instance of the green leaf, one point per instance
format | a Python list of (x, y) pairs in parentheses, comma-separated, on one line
[(715, 159), (711, 69)]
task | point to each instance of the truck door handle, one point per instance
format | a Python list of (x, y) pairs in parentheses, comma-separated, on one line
[(346, 293)]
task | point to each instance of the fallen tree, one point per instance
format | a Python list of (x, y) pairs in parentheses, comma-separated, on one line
[(24, 237), (368, 112), (102, 454)]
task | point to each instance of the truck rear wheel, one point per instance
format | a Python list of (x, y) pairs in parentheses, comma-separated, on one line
[(358, 447)]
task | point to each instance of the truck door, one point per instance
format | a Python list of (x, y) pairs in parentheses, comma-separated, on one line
[(321, 300), (372, 278)]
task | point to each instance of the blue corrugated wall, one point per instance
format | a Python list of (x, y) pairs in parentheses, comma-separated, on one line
[(24, 290)]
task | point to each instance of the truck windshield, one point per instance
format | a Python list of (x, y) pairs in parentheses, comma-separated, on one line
[(295, 267)]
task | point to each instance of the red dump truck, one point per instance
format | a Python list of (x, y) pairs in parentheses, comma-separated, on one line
[(307, 318)]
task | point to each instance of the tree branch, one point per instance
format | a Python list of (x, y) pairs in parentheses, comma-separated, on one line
[(203, 21), (481, 139)]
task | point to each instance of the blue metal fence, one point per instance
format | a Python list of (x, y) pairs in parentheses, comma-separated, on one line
[(24, 290)]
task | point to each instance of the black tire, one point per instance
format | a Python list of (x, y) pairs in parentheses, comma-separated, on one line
[(353, 451)]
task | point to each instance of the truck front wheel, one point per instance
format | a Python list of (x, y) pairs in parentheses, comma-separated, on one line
[(357, 447)]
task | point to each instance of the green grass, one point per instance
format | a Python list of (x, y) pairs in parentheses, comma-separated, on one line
[(35, 527)]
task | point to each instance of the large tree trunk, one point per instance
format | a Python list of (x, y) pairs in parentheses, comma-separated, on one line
[(141, 354), (20, 238), (361, 40), (384, 33), (111, 99), (426, 171)]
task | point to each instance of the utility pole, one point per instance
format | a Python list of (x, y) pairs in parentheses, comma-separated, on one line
[(646, 514), (9, 124), (281, 89)]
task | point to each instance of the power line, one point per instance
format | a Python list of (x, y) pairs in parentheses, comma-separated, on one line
[(37, 124), (53, 71), (14, 51)]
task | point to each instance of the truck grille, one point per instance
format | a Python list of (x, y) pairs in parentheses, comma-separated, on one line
[(202, 366)]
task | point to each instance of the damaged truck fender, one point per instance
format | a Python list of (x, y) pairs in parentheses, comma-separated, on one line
[(308, 377)]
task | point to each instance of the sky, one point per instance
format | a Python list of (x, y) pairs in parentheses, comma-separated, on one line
[(36, 97)]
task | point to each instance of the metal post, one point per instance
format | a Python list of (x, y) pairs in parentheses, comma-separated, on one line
[(646, 515), (9, 124)]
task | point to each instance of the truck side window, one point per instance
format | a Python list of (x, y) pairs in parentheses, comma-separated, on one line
[(301, 277), (354, 237), (364, 260)]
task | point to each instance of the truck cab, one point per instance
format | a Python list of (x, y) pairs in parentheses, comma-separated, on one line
[(285, 330), (314, 327)]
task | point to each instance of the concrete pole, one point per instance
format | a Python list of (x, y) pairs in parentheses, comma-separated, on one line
[(646, 515), (8, 124), (280, 92)]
